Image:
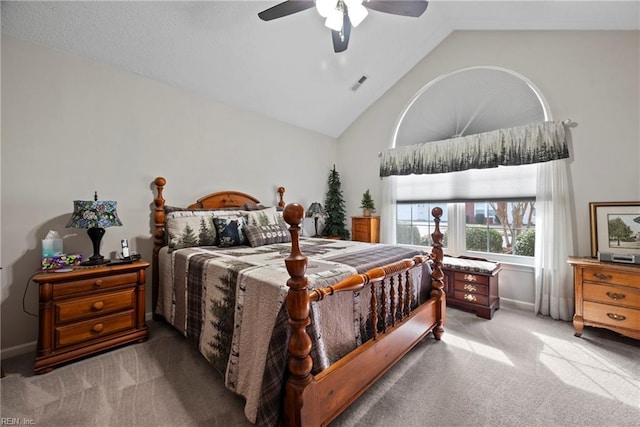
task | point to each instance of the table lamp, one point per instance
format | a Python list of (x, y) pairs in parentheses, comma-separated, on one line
[(94, 215), (315, 211)]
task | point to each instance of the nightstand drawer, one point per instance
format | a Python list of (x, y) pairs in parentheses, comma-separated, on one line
[(94, 284), (471, 278), (471, 298), (610, 277), (95, 328), (471, 288), (95, 305), (620, 317)]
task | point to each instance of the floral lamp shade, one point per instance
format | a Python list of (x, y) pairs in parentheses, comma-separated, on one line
[(94, 214)]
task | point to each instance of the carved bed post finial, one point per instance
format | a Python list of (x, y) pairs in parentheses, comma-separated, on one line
[(299, 361), (281, 194), (159, 219), (159, 216), (437, 275)]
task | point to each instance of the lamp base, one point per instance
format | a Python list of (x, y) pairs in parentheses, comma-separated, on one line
[(95, 261), (95, 234)]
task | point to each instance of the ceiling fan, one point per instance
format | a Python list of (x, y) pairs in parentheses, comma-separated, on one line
[(341, 15)]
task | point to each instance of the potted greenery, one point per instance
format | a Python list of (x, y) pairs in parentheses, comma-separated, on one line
[(367, 204)]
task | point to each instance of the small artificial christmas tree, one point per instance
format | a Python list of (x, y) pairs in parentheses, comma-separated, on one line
[(334, 225), (367, 204)]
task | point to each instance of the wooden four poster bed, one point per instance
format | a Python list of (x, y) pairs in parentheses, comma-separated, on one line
[(314, 377)]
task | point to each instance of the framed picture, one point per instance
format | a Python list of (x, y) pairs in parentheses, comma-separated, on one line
[(615, 227)]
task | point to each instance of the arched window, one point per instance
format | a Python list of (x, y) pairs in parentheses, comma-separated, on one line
[(489, 210)]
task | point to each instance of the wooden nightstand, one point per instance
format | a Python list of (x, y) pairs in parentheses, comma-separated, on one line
[(472, 284), (607, 295), (365, 229), (88, 310)]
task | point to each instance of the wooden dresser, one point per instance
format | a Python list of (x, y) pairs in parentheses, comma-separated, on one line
[(607, 295), (89, 309), (472, 284), (365, 229)]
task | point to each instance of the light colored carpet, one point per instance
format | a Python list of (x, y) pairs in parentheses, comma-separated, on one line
[(514, 370)]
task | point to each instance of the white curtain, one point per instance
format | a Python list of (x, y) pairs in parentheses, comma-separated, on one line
[(388, 231), (554, 242)]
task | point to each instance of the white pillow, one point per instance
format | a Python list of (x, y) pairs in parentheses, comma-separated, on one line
[(190, 228), (267, 216)]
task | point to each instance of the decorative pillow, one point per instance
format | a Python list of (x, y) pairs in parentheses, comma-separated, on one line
[(252, 207), (267, 216), (186, 229), (230, 231), (259, 235)]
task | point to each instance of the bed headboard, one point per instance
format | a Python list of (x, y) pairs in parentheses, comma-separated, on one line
[(224, 199)]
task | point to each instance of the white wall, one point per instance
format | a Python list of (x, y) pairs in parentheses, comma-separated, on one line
[(71, 126), (589, 77)]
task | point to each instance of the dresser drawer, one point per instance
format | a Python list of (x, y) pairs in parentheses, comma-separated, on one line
[(471, 288), (471, 298), (93, 284), (599, 275), (620, 317), (94, 328), (361, 228), (614, 295), (471, 278), (95, 305)]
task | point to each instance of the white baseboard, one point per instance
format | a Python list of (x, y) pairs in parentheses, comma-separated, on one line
[(18, 350), (520, 305)]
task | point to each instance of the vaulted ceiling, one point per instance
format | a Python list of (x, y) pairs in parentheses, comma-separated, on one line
[(286, 68)]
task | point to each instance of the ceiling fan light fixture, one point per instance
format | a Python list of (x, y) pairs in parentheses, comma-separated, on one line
[(324, 7), (334, 20), (357, 13)]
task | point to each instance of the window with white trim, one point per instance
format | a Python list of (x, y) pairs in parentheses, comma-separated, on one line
[(488, 212)]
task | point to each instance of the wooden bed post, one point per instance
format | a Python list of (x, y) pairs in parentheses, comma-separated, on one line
[(437, 276), (281, 191), (158, 241), (299, 362)]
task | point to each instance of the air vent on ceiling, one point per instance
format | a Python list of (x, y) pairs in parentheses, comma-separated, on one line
[(359, 83)]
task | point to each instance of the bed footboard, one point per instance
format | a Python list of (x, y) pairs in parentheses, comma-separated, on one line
[(316, 400)]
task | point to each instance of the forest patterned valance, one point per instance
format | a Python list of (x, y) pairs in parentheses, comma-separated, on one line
[(522, 145)]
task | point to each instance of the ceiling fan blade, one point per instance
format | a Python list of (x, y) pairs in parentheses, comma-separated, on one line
[(413, 8), (341, 38), (285, 8)]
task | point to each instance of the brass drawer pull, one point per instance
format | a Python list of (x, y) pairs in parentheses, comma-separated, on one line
[(470, 278), (98, 283), (98, 305), (618, 317), (97, 328), (615, 296), (470, 298), (603, 276), (470, 288)]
